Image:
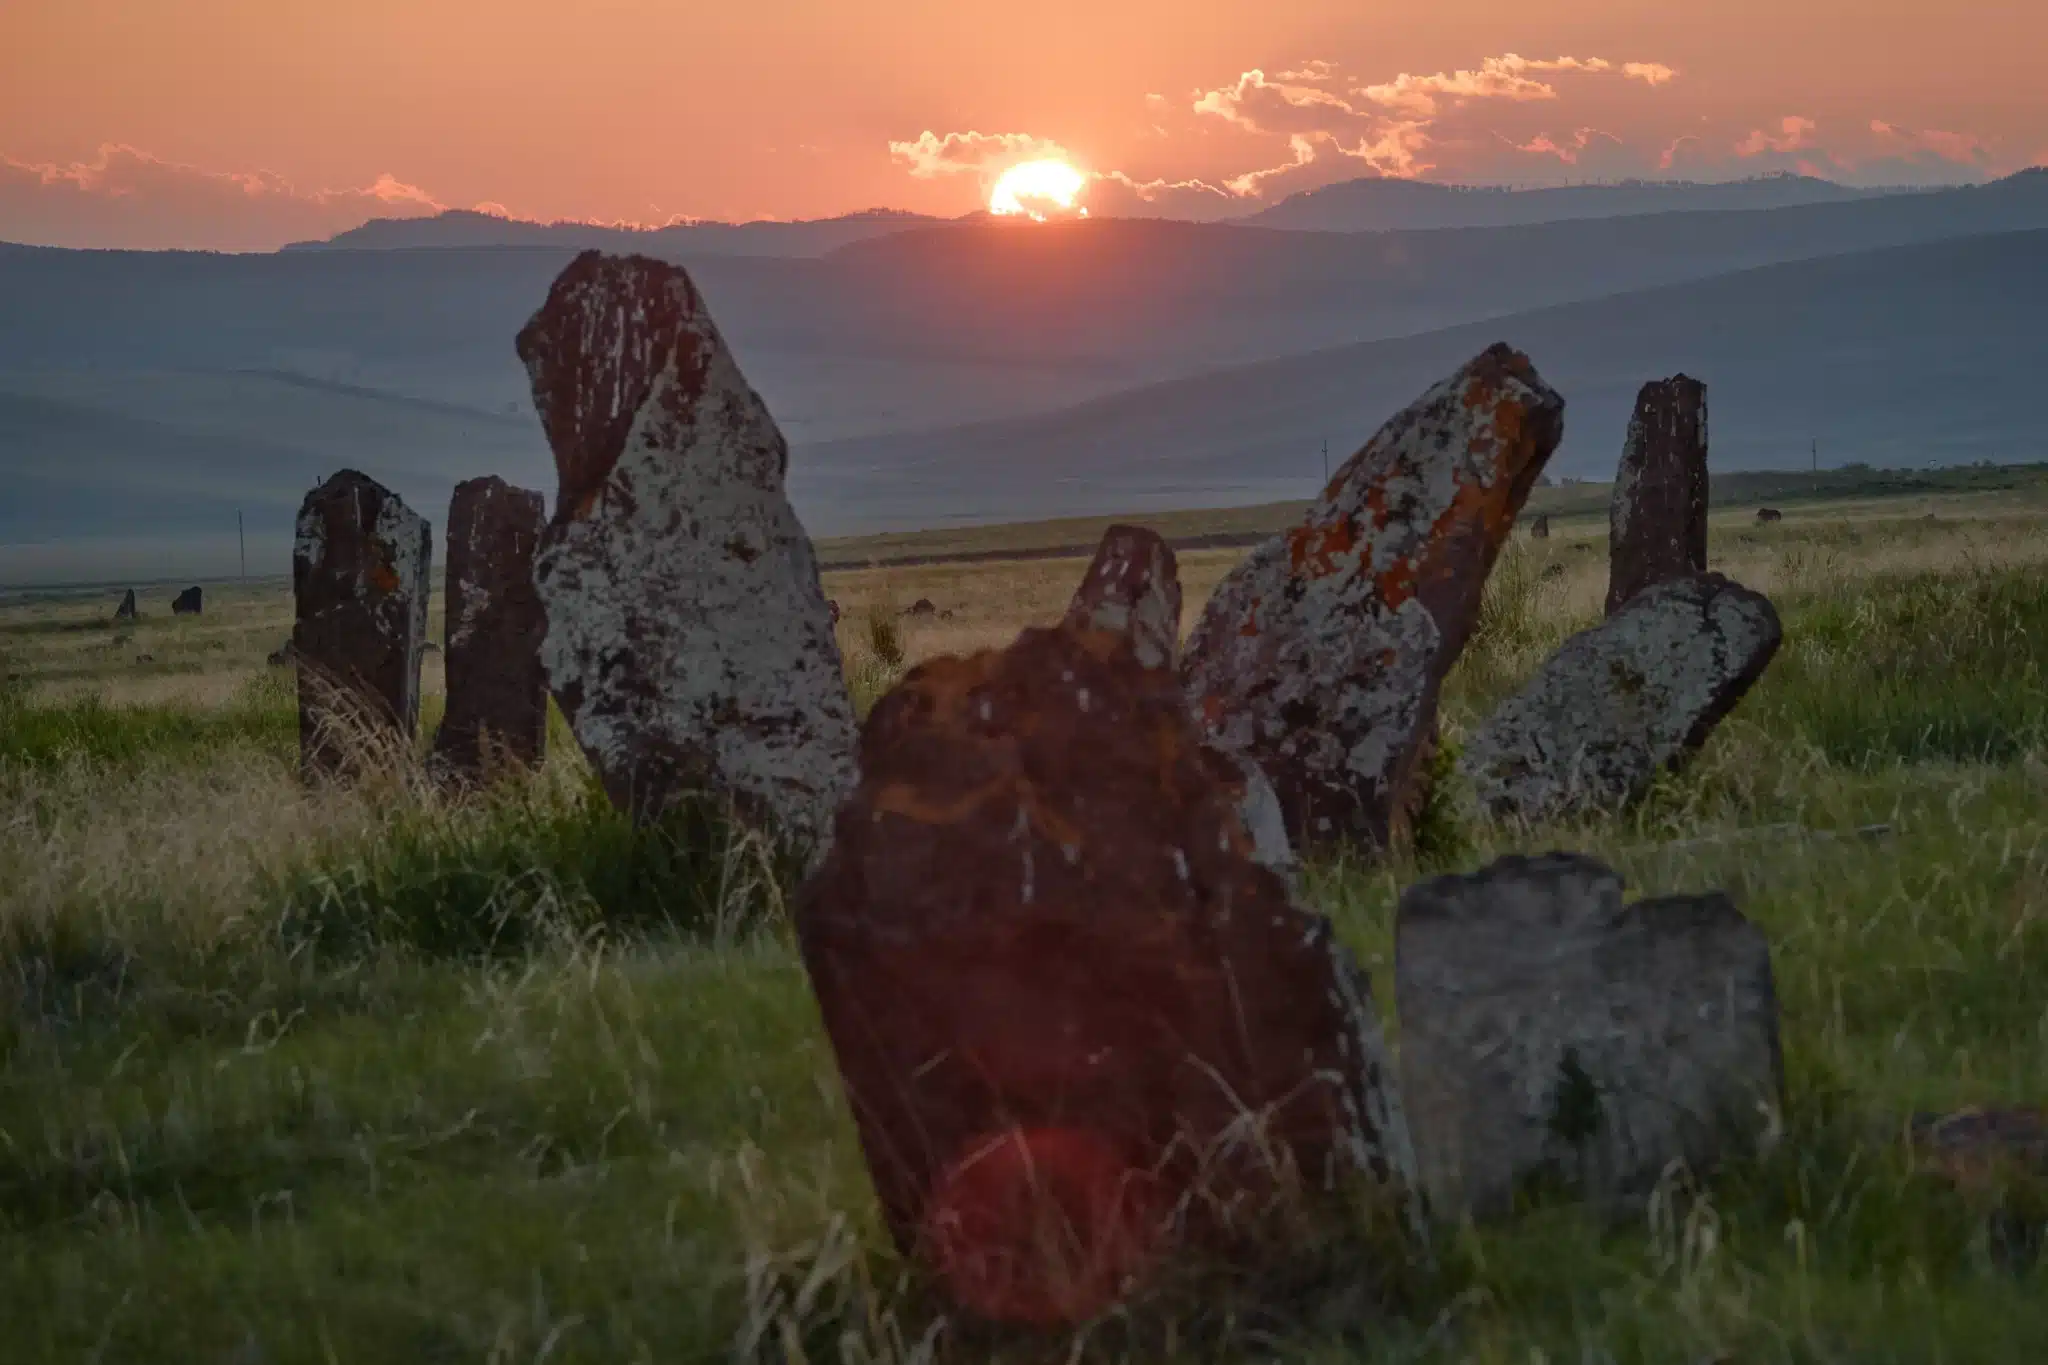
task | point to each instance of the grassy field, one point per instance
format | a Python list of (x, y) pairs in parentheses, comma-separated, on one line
[(370, 1075)]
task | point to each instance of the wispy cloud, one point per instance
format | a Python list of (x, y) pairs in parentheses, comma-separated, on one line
[(930, 155), (1649, 73), (1795, 132), (127, 198)]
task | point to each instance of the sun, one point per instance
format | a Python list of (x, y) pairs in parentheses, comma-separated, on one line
[(1038, 190)]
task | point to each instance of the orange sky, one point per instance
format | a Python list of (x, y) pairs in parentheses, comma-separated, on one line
[(243, 123)]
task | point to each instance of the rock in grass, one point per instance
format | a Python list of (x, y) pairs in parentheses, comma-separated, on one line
[(688, 639), (1063, 993), (359, 582), (1321, 656), (1550, 1034), (1619, 703), (1657, 520), (188, 602), (1132, 587), (126, 611), (497, 690)]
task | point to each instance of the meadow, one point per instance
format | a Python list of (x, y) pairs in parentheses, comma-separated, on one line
[(374, 1074)]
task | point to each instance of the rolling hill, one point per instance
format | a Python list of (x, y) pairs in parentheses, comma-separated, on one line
[(1900, 357), (468, 228), (1386, 203)]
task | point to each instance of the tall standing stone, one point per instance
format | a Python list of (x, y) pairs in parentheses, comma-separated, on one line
[(126, 611), (1549, 1032), (359, 576), (688, 639), (1322, 655), (1657, 522), (1623, 701), (1063, 993), (497, 691), (1132, 587), (190, 602)]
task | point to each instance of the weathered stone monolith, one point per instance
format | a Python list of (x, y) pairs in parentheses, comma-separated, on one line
[(359, 577), (1133, 588), (497, 690), (1539, 529), (688, 640), (1657, 521), (126, 611), (1322, 655), (188, 602), (1060, 985), (1550, 1034), (1619, 703)]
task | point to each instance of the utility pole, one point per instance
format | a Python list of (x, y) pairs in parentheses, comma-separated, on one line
[(1816, 454), (242, 540), (1326, 461)]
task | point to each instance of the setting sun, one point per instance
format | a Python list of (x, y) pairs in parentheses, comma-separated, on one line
[(1037, 189)]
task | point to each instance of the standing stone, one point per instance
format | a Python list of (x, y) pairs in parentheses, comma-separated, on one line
[(495, 624), (1540, 528), (688, 640), (1132, 588), (126, 611), (1056, 979), (1322, 655), (359, 576), (1769, 514), (1617, 704), (1548, 1032), (187, 603), (1657, 522)]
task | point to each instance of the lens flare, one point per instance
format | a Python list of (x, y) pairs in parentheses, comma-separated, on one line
[(1038, 190)]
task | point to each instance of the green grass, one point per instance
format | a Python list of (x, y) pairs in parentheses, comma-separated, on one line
[(396, 1077)]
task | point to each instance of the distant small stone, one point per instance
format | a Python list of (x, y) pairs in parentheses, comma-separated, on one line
[(1973, 1146), (145, 658), (1657, 519), (1322, 655), (280, 658), (188, 602), (1619, 703), (921, 607), (1540, 528), (1551, 1033), (1766, 514), (126, 611)]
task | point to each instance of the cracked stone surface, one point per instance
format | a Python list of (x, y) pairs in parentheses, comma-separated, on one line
[(497, 690), (1054, 973), (360, 564), (1623, 701), (1322, 655), (1551, 1033), (1657, 519), (688, 639)]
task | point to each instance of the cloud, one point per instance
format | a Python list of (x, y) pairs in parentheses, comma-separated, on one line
[(929, 155), (1573, 149), (1795, 132), (1649, 73), (1259, 105), (129, 199), (1312, 72)]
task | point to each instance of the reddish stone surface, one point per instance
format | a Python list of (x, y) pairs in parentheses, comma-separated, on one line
[(1657, 520), (359, 580), (1133, 588), (497, 691), (1977, 1147), (1322, 655), (1055, 976), (688, 640)]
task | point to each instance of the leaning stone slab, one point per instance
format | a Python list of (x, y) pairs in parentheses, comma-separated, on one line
[(188, 603), (1322, 655), (1619, 703), (497, 690), (1070, 1007), (688, 640), (359, 579), (1657, 519), (126, 611), (1550, 1034)]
